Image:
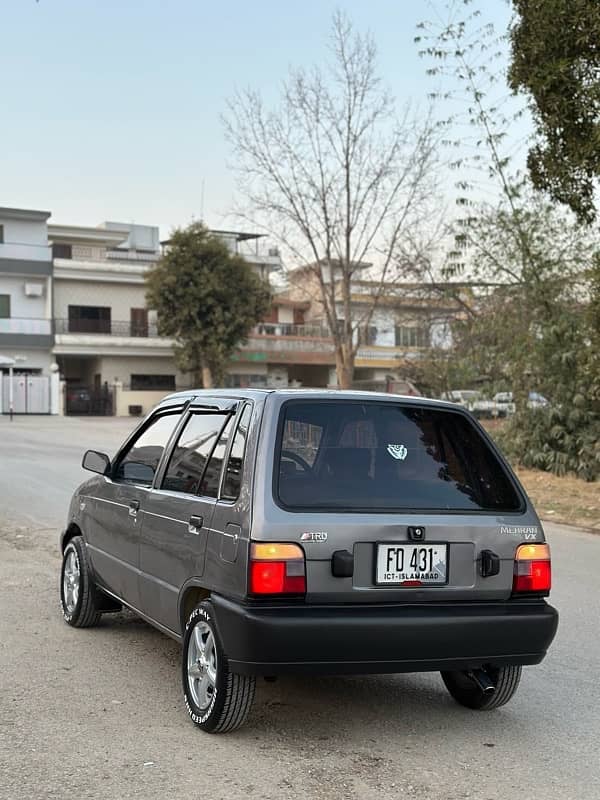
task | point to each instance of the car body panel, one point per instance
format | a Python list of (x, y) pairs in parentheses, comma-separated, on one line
[(171, 550), (112, 532)]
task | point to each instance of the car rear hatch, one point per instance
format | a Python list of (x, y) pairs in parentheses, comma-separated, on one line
[(396, 502)]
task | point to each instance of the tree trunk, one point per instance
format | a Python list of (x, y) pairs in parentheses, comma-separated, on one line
[(207, 378), (344, 368)]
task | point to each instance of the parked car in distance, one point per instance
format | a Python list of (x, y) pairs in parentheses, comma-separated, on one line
[(475, 402), (506, 400), (313, 532)]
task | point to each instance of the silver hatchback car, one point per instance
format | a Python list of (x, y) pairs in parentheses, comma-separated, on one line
[(275, 532)]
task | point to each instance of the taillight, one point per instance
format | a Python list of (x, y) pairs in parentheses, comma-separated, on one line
[(277, 569), (532, 568)]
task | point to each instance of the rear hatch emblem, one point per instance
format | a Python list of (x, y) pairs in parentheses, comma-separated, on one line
[(314, 536)]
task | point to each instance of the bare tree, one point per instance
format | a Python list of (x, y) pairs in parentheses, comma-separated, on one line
[(337, 178)]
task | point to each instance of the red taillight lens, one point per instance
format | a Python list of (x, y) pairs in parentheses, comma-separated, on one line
[(277, 569), (533, 572)]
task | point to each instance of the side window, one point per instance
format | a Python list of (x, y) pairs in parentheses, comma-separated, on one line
[(233, 472), (212, 474), (192, 451), (140, 462)]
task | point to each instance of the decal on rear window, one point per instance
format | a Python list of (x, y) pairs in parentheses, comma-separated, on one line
[(397, 451)]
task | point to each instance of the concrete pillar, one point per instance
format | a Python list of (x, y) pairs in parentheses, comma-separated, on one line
[(117, 390), (55, 392), (62, 398)]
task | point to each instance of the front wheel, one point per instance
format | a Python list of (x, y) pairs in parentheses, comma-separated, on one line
[(78, 594), (217, 700), (466, 691)]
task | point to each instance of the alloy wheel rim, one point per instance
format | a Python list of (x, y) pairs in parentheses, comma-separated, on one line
[(202, 665), (71, 580)]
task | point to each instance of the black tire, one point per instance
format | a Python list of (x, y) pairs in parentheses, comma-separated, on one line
[(229, 701), (82, 610), (466, 692)]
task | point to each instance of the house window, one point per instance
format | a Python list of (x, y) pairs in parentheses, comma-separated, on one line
[(139, 322), (411, 336), (89, 319), (1, 234), (152, 383), (4, 306), (60, 250)]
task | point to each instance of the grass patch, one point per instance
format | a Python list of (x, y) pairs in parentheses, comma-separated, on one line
[(565, 499)]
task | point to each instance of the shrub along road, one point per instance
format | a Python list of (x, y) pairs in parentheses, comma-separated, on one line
[(99, 714)]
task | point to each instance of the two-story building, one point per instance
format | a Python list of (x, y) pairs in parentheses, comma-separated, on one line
[(25, 310), (106, 340), (393, 322)]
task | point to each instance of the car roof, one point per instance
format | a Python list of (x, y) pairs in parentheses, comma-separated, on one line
[(310, 394)]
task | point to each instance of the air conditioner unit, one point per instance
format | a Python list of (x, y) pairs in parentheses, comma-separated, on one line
[(274, 252), (34, 289)]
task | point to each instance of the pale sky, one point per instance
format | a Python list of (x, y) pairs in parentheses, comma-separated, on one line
[(110, 109)]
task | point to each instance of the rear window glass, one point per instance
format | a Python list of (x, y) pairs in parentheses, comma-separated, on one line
[(381, 456)]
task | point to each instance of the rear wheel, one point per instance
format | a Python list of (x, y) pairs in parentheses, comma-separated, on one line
[(78, 594), (217, 700), (468, 693)]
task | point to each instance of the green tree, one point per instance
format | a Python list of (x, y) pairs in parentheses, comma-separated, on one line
[(207, 300), (556, 62), (537, 297)]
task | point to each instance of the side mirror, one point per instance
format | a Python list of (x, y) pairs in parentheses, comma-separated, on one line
[(96, 462)]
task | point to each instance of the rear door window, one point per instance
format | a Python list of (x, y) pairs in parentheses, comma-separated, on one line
[(232, 481), (209, 486), (351, 456), (190, 455)]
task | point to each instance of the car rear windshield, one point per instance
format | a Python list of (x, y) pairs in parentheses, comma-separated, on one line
[(384, 456)]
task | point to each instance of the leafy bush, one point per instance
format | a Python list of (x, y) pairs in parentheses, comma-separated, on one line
[(557, 439)]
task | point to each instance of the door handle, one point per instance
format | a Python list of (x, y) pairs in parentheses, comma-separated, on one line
[(134, 507), (195, 524)]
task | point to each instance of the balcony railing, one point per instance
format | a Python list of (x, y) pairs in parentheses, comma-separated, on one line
[(288, 343), (106, 327), (131, 255), (288, 329), (25, 251), (26, 325)]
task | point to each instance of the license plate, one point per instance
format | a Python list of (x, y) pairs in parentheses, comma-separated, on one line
[(411, 564)]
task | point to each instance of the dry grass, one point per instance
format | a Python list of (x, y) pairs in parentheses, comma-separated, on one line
[(568, 499)]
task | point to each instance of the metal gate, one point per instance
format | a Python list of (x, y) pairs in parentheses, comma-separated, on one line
[(31, 394), (89, 400)]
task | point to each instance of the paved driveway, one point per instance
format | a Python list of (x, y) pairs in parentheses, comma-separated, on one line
[(98, 713)]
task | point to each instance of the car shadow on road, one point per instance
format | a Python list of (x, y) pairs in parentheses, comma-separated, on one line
[(292, 708)]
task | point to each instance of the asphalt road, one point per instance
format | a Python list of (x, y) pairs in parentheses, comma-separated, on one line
[(98, 713)]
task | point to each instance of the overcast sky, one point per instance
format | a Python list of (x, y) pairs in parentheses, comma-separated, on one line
[(110, 108)]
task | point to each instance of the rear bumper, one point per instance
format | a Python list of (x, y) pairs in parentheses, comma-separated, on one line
[(361, 639)]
